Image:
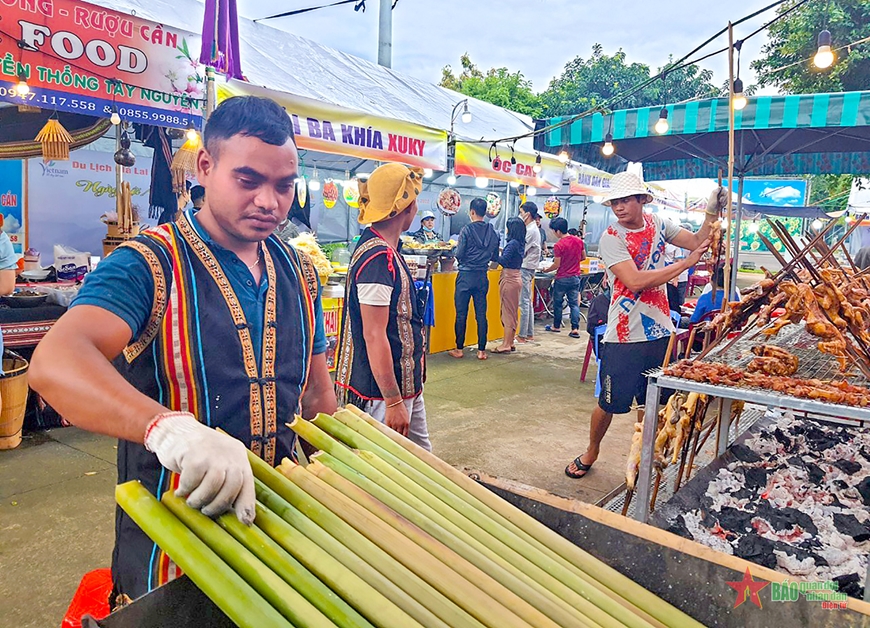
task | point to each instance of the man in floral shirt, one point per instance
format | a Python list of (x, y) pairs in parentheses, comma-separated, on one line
[(639, 323)]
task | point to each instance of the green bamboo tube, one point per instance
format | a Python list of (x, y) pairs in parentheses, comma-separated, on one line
[(514, 594), (358, 593), (608, 608), (217, 580), (653, 608), (298, 576), (428, 519), (273, 511), (446, 577), (283, 597), (410, 582)]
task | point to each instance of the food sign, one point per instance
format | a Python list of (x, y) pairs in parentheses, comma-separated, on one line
[(81, 58), (480, 160), (339, 131)]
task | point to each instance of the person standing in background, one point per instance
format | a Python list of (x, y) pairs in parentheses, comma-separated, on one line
[(477, 248), (543, 237), (510, 283), (197, 197), (531, 259), (569, 251), (674, 254)]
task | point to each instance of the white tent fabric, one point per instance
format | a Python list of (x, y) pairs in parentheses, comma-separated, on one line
[(286, 62)]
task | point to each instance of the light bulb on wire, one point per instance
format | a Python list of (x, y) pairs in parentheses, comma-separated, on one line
[(481, 182), (824, 57), (192, 135), (537, 167), (607, 150), (816, 224), (662, 125), (427, 173), (115, 118), (739, 100), (530, 191), (451, 180), (466, 114), (22, 88), (515, 184), (752, 227), (314, 185)]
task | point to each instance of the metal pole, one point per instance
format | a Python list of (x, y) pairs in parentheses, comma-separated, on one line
[(730, 160), (385, 34), (647, 452), (119, 170), (736, 265)]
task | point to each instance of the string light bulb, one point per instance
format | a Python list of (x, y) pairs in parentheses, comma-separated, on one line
[(481, 182), (662, 125), (816, 224), (739, 100), (427, 173), (607, 150), (824, 57), (530, 191), (466, 114), (191, 134), (22, 88), (752, 227), (115, 117), (537, 167), (451, 180), (515, 184)]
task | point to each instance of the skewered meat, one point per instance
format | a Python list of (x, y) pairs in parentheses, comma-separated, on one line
[(773, 361), (668, 418), (687, 415), (716, 244), (634, 456)]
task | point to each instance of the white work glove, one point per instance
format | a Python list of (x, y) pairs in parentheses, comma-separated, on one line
[(215, 473), (718, 199)]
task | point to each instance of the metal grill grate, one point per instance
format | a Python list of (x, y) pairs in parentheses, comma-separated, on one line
[(813, 364), (614, 500)]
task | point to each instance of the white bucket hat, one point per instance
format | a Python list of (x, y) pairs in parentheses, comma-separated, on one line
[(626, 184)]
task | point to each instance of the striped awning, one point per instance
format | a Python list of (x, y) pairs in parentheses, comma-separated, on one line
[(775, 135)]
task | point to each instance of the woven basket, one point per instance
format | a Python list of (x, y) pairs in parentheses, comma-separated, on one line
[(13, 398)]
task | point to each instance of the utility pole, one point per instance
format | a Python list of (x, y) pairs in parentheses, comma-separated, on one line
[(385, 33)]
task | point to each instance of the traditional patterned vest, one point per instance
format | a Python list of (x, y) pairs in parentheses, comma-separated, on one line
[(196, 354)]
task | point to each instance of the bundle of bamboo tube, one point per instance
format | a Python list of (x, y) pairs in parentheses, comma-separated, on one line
[(124, 207), (376, 531)]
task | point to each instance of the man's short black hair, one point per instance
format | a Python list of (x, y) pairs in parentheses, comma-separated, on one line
[(573, 232), (478, 206), (251, 116), (559, 224), (530, 208), (197, 192)]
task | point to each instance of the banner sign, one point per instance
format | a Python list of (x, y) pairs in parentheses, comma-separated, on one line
[(776, 192), (588, 181), (67, 198), (81, 58), (12, 203), (330, 129), (481, 160)]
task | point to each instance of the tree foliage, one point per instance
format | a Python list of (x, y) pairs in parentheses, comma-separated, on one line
[(498, 86), (792, 42), (830, 191)]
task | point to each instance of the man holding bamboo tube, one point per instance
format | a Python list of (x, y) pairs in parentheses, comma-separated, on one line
[(205, 322), (638, 323)]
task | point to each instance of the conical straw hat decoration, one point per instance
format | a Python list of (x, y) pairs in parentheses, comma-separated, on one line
[(55, 141), (184, 163)]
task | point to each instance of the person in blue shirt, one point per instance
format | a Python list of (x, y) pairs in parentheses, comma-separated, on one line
[(706, 302), (209, 321)]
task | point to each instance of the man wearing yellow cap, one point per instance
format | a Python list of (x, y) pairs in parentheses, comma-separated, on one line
[(381, 363)]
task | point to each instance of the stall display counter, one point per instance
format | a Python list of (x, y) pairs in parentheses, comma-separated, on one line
[(442, 336)]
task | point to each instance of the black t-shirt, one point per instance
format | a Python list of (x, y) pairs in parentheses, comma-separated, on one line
[(379, 276)]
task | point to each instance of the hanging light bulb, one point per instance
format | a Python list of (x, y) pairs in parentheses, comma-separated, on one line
[(22, 88), (363, 175), (816, 224), (530, 191), (314, 185), (607, 150), (427, 173), (115, 117), (481, 182), (752, 227), (662, 125), (537, 167), (824, 56), (564, 156), (515, 184), (739, 101), (466, 114), (451, 180), (191, 134)]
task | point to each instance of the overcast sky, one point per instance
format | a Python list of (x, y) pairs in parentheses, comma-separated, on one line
[(536, 37)]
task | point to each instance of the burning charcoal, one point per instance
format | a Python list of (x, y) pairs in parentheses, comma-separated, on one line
[(745, 493), (800, 554), (678, 527), (756, 549), (864, 488), (848, 467), (783, 440), (781, 519), (756, 477), (866, 454), (848, 584), (841, 484), (850, 526), (816, 474), (744, 454), (819, 440), (734, 520)]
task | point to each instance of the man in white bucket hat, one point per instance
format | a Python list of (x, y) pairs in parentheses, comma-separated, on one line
[(638, 324)]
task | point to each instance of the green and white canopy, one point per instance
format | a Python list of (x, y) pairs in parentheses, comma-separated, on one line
[(774, 135)]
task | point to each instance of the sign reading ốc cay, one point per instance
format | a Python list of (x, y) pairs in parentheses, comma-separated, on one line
[(330, 129), (71, 51), (480, 160)]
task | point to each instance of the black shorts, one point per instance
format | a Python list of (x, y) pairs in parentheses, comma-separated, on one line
[(622, 372)]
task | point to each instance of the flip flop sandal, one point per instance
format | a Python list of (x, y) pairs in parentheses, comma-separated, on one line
[(513, 348), (497, 351), (574, 333), (555, 330), (585, 468)]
